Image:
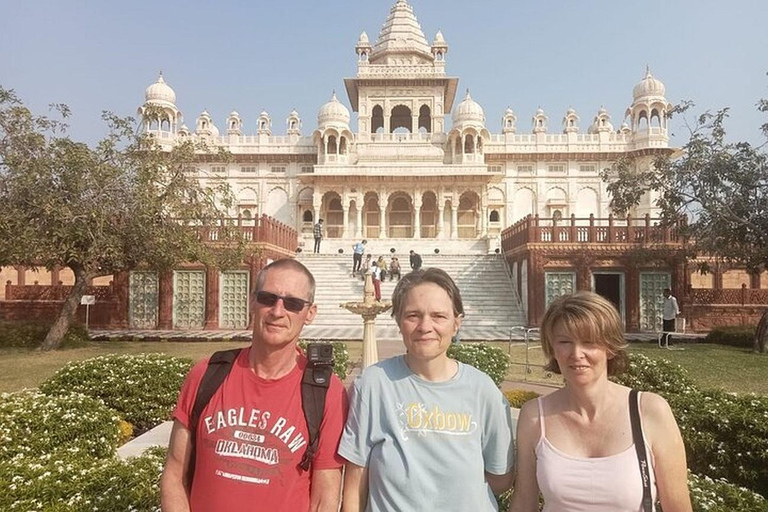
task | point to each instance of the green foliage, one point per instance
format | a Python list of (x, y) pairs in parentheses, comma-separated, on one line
[(35, 425), (719, 495), (491, 360), (142, 388), (30, 334), (517, 397), (77, 483), (340, 358), (655, 375), (126, 202), (725, 435), (742, 336)]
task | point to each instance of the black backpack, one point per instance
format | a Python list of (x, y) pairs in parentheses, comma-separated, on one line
[(314, 387)]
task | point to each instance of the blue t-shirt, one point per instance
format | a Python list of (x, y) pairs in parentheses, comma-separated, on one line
[(427, 445), (359, 248)]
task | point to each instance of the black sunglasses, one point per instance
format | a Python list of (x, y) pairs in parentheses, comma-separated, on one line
[(292, 304)]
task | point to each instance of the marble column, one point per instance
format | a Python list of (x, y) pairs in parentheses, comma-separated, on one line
[(345, 226), (454, 221), (359, 228)]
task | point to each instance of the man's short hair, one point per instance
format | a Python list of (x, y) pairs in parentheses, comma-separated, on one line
[(413, 279), (587, 316), (667, 290), (287, 263), (365, 241)]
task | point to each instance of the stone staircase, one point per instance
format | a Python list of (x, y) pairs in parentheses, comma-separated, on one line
[(490, 305)]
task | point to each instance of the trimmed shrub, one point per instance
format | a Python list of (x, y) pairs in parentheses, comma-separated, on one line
[(77, 483), (36, 425), (726, 436), (719, 495), (655, 375), (143, 388), (517, 397), (340, 358), (742, 336), (28, 334), (491, 360)]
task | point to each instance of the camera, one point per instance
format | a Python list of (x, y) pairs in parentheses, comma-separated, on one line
[(320, 354)]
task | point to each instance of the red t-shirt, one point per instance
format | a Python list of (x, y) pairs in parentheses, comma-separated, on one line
[(252, 436)]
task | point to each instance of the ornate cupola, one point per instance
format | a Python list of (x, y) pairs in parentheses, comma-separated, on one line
[(264, 124), (570, 121), (539, 120), (648, 113), (234, 124), (468, 134), (509, 121), (363, 48), (205, 126), (602, 122), (159, 112), (439, 47), (293, 123)]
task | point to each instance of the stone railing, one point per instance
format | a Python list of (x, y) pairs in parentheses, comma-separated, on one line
[(628, 230), (728, 296), (263, 230)]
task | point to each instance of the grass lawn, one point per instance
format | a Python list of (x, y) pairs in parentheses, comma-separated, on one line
[(710, 366), (21, 368)]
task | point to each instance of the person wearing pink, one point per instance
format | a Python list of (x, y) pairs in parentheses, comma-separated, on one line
[(252, 434), (576, 445)]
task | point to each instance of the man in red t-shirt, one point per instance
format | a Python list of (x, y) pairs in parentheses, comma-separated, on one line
[(252, 434)]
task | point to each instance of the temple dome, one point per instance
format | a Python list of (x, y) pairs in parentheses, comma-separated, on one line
[(160, 91), (468, 111), (333, 112), (648, 86)]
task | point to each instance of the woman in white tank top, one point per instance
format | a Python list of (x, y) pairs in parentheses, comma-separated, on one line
[(575, 446)]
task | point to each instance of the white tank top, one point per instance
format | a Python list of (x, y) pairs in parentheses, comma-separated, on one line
[(597, 484)]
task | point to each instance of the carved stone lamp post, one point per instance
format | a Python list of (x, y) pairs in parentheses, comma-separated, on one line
[(369, 308)]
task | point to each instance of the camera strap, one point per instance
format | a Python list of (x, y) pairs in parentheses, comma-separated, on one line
[(314, 387)]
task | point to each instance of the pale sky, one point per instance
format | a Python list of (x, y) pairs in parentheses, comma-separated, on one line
[(253, 55)]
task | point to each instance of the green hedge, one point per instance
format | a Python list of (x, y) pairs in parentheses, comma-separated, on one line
[(28, 334), (725, 435), (78, 483), (143, 388), (488, 359), (340, 358), (36, 425), (742, 336)]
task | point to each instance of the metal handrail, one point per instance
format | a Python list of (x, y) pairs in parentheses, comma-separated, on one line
[(527, 331)]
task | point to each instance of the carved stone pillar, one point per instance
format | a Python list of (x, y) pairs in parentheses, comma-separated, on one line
[(454, 221), (440, 223), (359, 228), (417, 216), (383, 203), (345, 225)]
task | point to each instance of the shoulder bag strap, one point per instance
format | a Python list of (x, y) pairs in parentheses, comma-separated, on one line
[(314, 387), (642, 458)]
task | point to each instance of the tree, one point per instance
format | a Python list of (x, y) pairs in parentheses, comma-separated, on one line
[(122, 204), (720, 187)]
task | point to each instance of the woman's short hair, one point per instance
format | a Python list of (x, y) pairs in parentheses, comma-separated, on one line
[(587, 316), (428, 275)]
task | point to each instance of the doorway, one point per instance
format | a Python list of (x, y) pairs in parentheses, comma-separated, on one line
[(611, 286)]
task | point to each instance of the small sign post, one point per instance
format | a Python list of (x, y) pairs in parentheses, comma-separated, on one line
[(87, 301)]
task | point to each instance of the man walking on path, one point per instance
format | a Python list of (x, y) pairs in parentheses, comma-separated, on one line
[(247, 446), (357, 256), (318, 233), (415, 261), (669, 314)]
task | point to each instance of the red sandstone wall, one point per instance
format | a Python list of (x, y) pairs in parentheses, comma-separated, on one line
[(102, 315), (705, 318)]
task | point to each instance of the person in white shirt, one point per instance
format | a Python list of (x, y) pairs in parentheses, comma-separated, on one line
[(669, 314)]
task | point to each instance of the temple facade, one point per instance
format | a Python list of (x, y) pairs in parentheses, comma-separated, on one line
[(405, 177)]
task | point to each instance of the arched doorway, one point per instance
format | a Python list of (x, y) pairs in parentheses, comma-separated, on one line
[(400, 216), (371, 215), (334, 215), (468, 217), (428, 215)]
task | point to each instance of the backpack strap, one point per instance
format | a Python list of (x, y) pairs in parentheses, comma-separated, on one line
[(639, 441), (314, 387), (218, 368)]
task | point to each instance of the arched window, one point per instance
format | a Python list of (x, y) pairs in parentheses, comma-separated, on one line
[(425, 118), (342, 145), (401, 118), (469, 144), (332, 148), (494, 217), (306, 216), (377, 119)]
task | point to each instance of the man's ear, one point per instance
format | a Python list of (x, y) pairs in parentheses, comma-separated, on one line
[(311, 314)]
